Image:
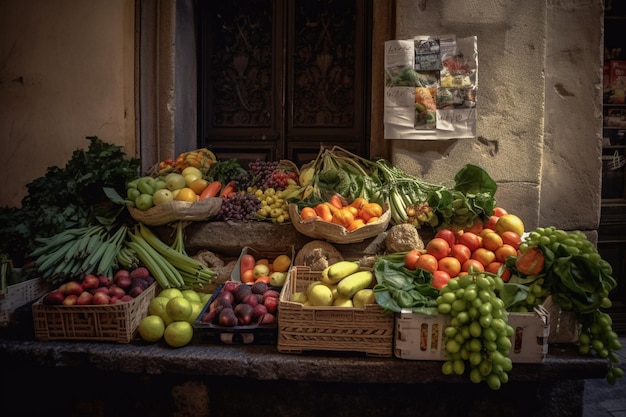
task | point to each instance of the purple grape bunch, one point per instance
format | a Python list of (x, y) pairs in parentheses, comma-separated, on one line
[(239, 207), (262, 174)]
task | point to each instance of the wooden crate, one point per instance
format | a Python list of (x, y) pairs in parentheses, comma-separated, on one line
[(113, 322), (307, 328), (19, 294), (420, 337)]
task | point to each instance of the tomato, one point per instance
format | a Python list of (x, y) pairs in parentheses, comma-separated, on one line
[(449, 264), (484, 256), (438, 247), (469, 239), (511, 238), (448, 235), (247, 262), (504, 252), (476, 227), (472, 265), (427, 262), (492, 241), (499, 211), (440, 279), (460, 252), (308, 213), (410, 259), (343, 217)]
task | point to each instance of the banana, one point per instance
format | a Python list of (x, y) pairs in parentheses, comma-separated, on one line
[(355, 282), (340, 270)]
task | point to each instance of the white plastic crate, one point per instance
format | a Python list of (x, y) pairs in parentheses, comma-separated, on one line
[(420, 337)]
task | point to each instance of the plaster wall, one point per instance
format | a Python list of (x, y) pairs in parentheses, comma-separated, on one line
[(539, 105), (66, 72)]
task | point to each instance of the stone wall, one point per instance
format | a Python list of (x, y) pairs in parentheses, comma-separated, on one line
[(539, 105)]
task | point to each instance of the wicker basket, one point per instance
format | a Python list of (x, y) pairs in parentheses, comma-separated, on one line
[(19, 294), (320, 229), (178, 210), (113, 322), (305, 328)]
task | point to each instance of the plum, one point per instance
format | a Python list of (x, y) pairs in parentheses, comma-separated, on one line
[(227, 318), (243, 312)]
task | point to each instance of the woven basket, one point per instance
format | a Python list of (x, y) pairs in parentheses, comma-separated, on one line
[(113, 322), (332, 232), (178, 210), (19, 294), (305, 328)]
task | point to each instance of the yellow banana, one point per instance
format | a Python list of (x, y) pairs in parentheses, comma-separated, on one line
[(341, 269), (355, 282)]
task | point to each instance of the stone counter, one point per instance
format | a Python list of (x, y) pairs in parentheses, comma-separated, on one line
[(220, 380)]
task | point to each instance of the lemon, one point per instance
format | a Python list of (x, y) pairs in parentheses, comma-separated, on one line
[(511, 223), (191, 295), (151, 328), (178, 333), (157, 305), (320, 295), (178, 308), (171, 293)]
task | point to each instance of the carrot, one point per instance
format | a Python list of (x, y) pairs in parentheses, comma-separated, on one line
[(230, 187), (211, 190)]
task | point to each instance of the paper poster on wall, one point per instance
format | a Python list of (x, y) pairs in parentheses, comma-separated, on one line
[(430, 87)]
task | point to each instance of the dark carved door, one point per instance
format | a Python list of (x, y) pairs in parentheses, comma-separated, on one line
[(280, 78)]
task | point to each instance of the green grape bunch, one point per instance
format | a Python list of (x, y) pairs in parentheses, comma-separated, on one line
[(580, 281), (478, 339)]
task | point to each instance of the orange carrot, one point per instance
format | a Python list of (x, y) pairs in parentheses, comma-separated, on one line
[(211, 190), (230, 187)]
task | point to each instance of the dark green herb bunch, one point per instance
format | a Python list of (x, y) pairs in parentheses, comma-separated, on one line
[(68, 197)]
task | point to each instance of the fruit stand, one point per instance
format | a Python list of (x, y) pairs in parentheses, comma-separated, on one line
[(345, 279)]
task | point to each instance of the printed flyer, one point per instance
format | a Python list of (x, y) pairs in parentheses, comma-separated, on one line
[(430, 88)]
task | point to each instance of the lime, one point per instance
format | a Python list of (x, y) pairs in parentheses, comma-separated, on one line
[(178, 308), (196, 309), (178, 333), (191, 295), (157, 305), (151, 328), (171, 293)]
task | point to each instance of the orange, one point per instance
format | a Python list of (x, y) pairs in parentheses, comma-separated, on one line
[(281, 263), (247, 277), (186, 194)]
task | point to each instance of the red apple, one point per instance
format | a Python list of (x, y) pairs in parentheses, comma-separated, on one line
[(70, 300), (84, 299), (73, 287), (126, 298), (53, 298), (90, 282)]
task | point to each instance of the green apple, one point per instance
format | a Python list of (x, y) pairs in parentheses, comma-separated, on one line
[(146, 185), (160, 184), (277, 279), (162, 196), (144, 202), (132, 194), (189, 178), (175, 181)]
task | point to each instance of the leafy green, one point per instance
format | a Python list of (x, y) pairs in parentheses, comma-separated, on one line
[(225, 171), (67, 197), (398, 287)]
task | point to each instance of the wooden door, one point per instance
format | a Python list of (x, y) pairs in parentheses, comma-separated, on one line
[(281, 78)]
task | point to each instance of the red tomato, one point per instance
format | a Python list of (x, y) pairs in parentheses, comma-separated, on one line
[(410, 259)]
